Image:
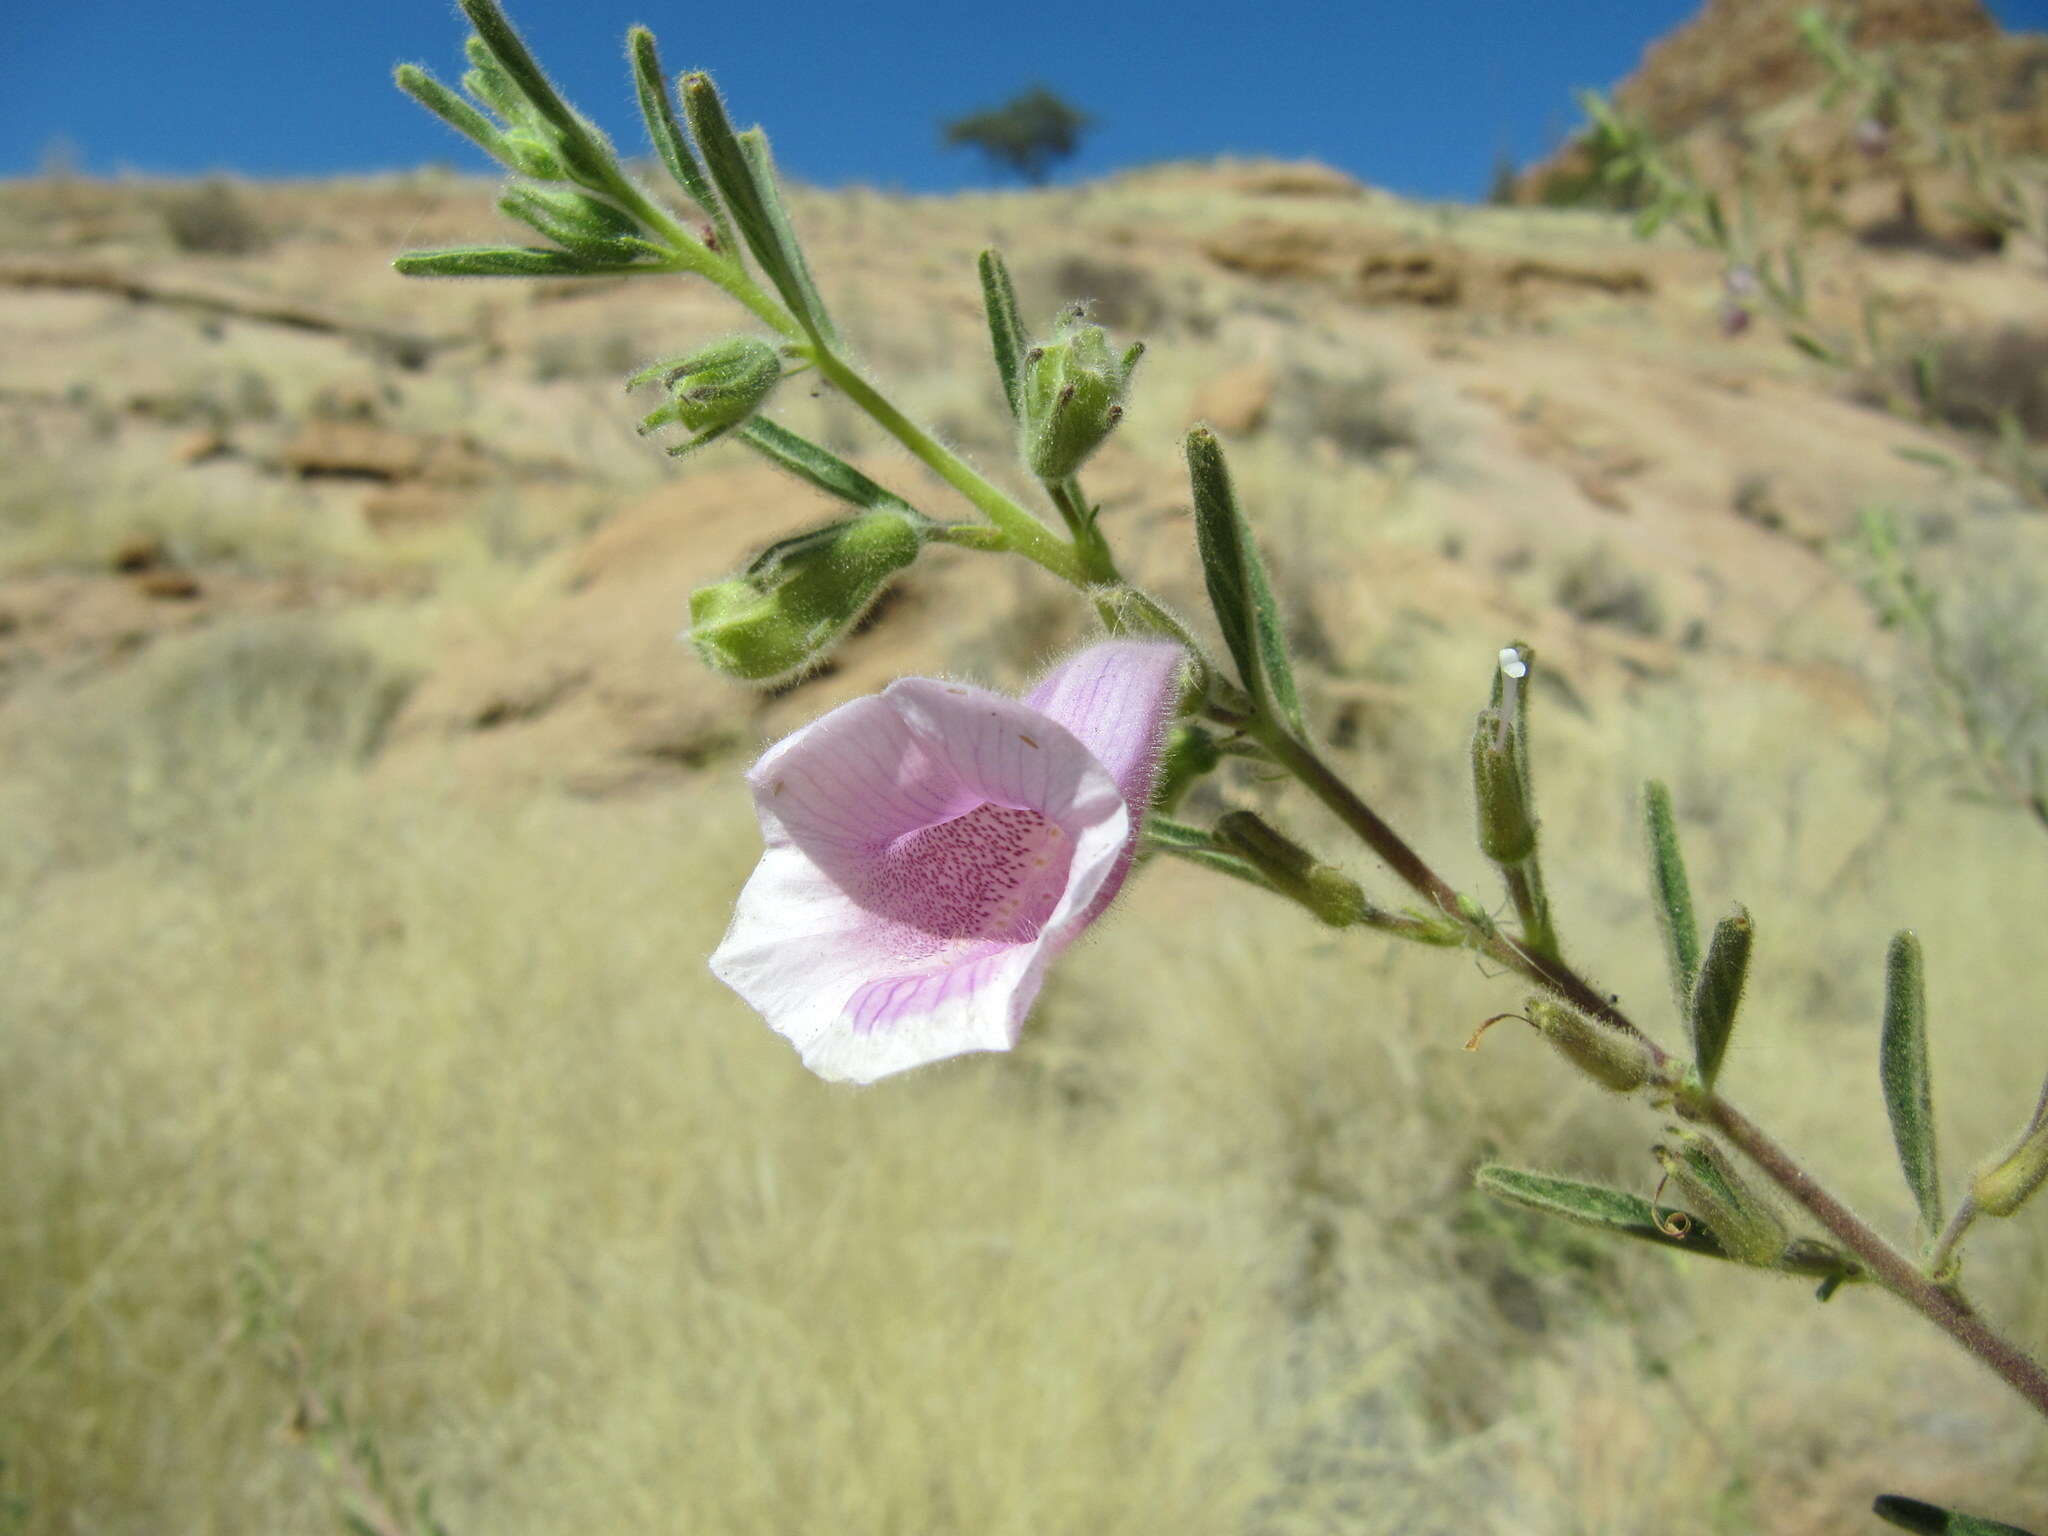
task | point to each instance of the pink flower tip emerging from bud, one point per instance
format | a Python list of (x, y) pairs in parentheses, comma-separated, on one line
[(932, 847)]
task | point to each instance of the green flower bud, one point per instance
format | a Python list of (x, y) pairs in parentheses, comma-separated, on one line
[(571, 219), (1612, 1059), (1073, 392), (786, 611), (1507, 830), (532, 157), (489, 83), (1746, 1224), (1328, 892), (714, 389), (1191, 752), (2002, 1187)]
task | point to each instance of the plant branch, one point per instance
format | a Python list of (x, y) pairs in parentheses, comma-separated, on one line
[(1027, 536), (1943, 1252), (1546, 970), (1939, 1303)]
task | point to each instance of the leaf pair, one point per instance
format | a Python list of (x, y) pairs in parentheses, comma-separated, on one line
[(1239, 591), (1630, 1215), (743, 171), (1708, 988)]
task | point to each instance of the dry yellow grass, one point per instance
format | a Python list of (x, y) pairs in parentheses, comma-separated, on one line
[(585, 1249)]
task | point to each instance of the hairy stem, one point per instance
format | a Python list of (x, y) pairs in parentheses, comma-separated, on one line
[(1532, 905), (1027, 536), (1943, 1253), (1940, 1304), (1089, 544), (1545, 969)]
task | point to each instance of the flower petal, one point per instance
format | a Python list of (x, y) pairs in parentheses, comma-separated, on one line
[(1116, 697), (852, 781), (1001, 750), (861, 996), (893, 1023), (799, 947)]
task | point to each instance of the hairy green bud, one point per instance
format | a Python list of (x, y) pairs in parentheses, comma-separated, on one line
[(1612, 1059), (1191, 752), (2003, 1186), (787, 610), (1507, 828), (531, 156), (573, 220), (1291, 869), (714, 389), (1748, 1225), (1072, 395)]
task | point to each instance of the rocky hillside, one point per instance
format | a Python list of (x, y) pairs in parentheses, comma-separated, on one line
[(1739, 58), (1739, 92), (1504, 422)]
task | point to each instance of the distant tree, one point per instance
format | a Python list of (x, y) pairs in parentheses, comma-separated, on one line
[(1026, 134)]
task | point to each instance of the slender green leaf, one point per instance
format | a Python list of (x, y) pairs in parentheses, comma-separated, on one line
[(491, 85), (1932, 1520), (658, 110), (1673, 894), (1717, 992), (1908, 1091), (1168, 833), (754, 145), (498, 261), (508, 50), (822, 468), (1594, 1205), (731, 173), (745, 180), (455, 112), (1236, 578), (585, 151), (1005, 331), (1214, 859)]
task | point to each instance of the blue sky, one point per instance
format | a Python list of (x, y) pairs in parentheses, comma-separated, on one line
[(1421, 98)]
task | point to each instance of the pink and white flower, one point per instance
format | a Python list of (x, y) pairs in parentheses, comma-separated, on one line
[(932, 847)]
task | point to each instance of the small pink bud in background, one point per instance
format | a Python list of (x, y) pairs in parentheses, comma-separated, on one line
[(1739, 282), (932, 847), (1734, 318), (1872, 138)]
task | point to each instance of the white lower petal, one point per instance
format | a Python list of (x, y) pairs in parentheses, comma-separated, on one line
[(862, 997)]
